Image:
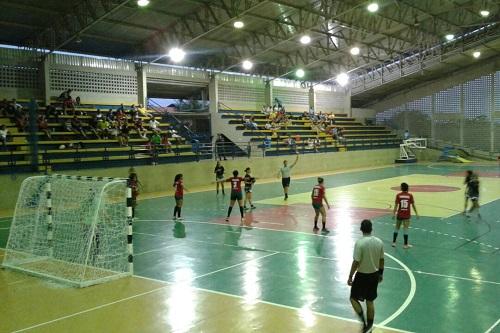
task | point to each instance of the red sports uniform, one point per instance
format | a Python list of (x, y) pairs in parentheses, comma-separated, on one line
[(318, 194), (235, 183), (404, 200), (179, 189)]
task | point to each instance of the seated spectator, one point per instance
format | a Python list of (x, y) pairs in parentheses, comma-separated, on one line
[(268, 126), (77, 126), (121, 108), (290, 142), (78, 101), (154, 125), (67, 125), (4, 106), (166, 143), (251, 124), (340, 134), (103, 128), (139, 127), (143, 111), (120, 116), (133, 112), (51, 112), (156, 139), (406, 135), (43, 126), (98, 115), (92, 126), (3, 136), (111, 115), (277, 103), (311, 112), (21, 120), (114, 129), (67, 101), (123, 136)]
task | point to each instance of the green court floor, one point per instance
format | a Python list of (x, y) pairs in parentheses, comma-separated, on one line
[(448, 282)]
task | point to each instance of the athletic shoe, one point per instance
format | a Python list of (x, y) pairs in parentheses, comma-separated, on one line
[(393, 244), (368, 329), (226, 219), (315, 228), (180, 218), (174, 218), (245, 208), (253, 207), (407, 246), (242, 220), (325, 230)]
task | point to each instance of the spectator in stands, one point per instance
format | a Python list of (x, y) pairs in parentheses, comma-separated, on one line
[(21, 120), (121, 108), (143, 111), (120, 116), (4, 106), (133, 112), (51, 112), (165, 142), (311, 112), (77, 101), (111, 115), (268, 126), (290, 142), (220, 147), (103, 128), (139, 127), (43, 126), (267, 142), (77, 126), (278, 105), (14, 109), (406, 135), (154, 124), (3, 136), (123, 136), (340, 135), (98, 115), (67, 101), (114, 129), (92, 126)]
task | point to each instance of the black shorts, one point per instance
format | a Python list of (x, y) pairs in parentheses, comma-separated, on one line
[(285, 182), (317, 206), (177, 198), (364, 286), (236, 195)]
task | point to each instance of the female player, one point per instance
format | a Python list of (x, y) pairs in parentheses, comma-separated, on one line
[(235, 195), (318, 196), (219, 177), (472, 193), (133, 183), (249, 181), (404, 200), (179, 196)]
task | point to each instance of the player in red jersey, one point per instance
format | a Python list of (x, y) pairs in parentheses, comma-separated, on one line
[(403, 204), (318, 195), (179, 196), (236, 194)]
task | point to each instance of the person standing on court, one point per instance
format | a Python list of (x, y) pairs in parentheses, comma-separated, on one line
[(368, 264), (285, 171)]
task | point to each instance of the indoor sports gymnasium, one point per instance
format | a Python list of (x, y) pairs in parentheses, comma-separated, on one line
[(267, 166)]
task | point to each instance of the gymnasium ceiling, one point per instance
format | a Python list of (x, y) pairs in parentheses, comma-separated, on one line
[(400, 29)]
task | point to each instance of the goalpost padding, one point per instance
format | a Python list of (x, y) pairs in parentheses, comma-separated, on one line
[(73, 229)]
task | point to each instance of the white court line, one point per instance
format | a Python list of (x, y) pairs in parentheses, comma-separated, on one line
[(5, 228), (457, 277), (489, 330), (156, 250), (411, 295)]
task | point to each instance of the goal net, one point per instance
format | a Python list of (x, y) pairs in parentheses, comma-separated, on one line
[(74, 229)]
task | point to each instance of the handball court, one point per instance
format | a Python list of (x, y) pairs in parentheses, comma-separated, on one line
[(273, 274)]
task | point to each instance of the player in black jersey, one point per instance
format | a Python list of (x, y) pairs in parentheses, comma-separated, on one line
[(249, 181), (472, 192), (219, 177)]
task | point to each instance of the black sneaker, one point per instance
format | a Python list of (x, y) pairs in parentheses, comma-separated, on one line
[(253, 207), (315, 228), (368, 329), (325, 230)]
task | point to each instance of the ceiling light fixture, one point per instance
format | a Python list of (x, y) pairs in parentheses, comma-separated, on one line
[(176, 54), (342, 79), (373, 7), (247, 65), (300, 73), (355, 50), (305, 39), (476, 54), (238, 24), (484, 13), (142, 3), (449, 37)]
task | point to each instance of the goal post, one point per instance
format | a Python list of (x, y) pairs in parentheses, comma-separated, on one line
[(73, 229)]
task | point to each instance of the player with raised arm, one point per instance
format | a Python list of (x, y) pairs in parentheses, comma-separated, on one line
[(179, 196), (284, 172), (318, 195), (236, 195), (249, 181), (404, 202)]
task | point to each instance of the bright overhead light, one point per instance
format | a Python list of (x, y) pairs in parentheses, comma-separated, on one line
[(476, 54), (484, 13), (176, 54), (355, 50), (300, 73), (142, 3), (342, 79), (238, 24), (305, 39), (449, 37), (373, 7), (247, 65)]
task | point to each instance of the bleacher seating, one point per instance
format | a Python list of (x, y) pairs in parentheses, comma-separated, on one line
[(301, 129), (90, 151)]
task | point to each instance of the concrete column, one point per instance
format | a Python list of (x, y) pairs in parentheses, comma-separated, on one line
[(433, 108), (347, 101), (45, 79), (213, 106), (312, 98), (492, 114), (142, 85), (268, 93)]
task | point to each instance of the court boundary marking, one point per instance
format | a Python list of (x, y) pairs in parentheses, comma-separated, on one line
[(492, 327)]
